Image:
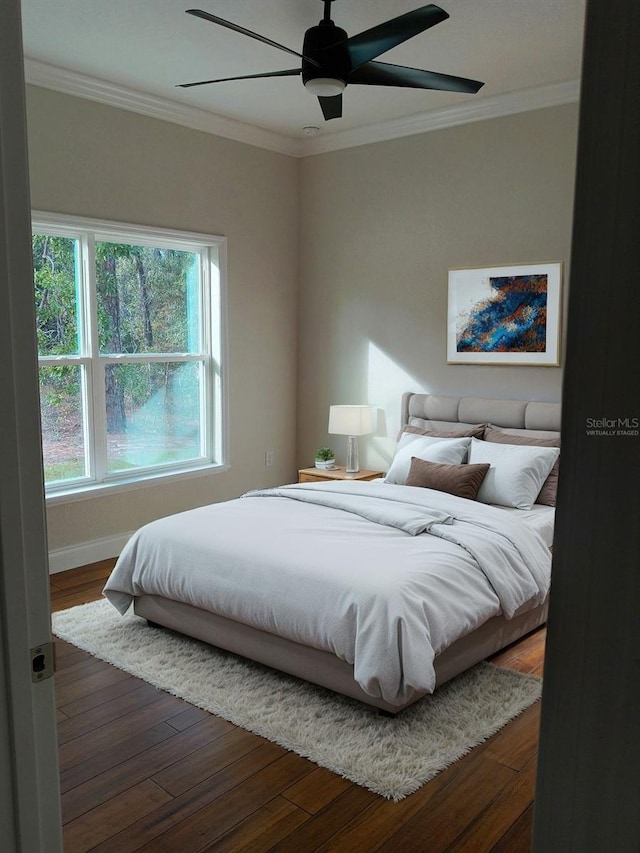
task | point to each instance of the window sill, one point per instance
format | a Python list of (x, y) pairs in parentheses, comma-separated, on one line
[(101, 490)]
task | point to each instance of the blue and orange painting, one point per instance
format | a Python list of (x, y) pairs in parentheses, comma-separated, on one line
[(512, 319)]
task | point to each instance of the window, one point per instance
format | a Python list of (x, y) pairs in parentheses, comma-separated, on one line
[(129, 350)]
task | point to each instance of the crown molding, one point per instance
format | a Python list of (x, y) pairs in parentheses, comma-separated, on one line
[(82, 86), (494, 106), (73, 83)]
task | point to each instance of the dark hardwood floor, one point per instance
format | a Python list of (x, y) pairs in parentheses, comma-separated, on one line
[(143, 770)]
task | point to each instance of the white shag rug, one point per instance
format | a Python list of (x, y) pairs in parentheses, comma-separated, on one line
[(390, 756)]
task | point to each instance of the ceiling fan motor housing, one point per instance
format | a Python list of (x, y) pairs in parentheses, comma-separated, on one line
[(325, 44)]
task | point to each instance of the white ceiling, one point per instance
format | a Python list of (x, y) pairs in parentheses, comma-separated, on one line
[(134, 52)]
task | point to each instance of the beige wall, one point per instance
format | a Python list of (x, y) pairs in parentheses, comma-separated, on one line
[(380, 227), (92, 160), (375, 230)]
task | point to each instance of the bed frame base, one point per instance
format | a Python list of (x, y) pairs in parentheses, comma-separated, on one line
[(321, 667)]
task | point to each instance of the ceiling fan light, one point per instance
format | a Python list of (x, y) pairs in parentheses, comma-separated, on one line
[(325, 87)]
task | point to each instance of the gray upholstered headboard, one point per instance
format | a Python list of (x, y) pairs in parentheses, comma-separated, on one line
[(434, 411)]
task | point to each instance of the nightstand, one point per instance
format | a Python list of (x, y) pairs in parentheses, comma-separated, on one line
[(317, 475)]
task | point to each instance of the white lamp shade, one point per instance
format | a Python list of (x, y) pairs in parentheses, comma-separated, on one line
[(350, 420)]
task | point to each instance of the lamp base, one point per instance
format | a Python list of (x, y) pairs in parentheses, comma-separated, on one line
[(353, 465)]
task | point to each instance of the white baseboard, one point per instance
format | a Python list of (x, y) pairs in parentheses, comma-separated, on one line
[(62, 559)]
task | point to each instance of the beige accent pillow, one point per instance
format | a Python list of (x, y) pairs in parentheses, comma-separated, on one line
[(464, 432), (460, 480), (549, 488)]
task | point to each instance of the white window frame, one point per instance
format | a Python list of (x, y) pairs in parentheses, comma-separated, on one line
[(213, 403)]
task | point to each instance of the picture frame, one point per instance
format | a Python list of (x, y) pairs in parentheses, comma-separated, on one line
[(505, 315)]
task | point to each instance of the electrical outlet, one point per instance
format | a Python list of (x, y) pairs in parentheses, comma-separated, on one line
[(268, 458)]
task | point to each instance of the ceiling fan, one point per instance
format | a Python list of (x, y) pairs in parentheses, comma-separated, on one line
[(331, 60)]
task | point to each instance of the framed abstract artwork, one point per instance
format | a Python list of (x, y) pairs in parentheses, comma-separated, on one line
[(505, 315)]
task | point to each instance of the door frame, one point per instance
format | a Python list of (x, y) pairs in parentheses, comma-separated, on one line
[(29, 782)]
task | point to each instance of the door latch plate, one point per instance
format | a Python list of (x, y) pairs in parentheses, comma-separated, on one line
[(42, 662)]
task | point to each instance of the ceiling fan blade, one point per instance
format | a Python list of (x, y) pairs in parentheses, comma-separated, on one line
[(371, 43), (385, 74), (293, 72), (206, 16), (331, 107)]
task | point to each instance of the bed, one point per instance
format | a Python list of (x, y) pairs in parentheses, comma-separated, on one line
[(380, 591)]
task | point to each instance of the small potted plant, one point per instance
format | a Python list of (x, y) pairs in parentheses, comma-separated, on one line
[(325, 458)]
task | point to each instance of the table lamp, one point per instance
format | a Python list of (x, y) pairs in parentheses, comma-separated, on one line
[(351, 421)]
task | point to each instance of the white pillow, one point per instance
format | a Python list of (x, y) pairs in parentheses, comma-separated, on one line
[(516, 474), (448, 450)]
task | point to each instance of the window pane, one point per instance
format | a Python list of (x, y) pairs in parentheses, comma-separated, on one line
[(148, 299), (55, 265), (153, 414), (62, 423)]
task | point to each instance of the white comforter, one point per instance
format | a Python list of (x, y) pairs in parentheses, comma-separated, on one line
[(385, 577)]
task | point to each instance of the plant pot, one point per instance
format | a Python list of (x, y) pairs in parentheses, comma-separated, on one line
[(323, 464)]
